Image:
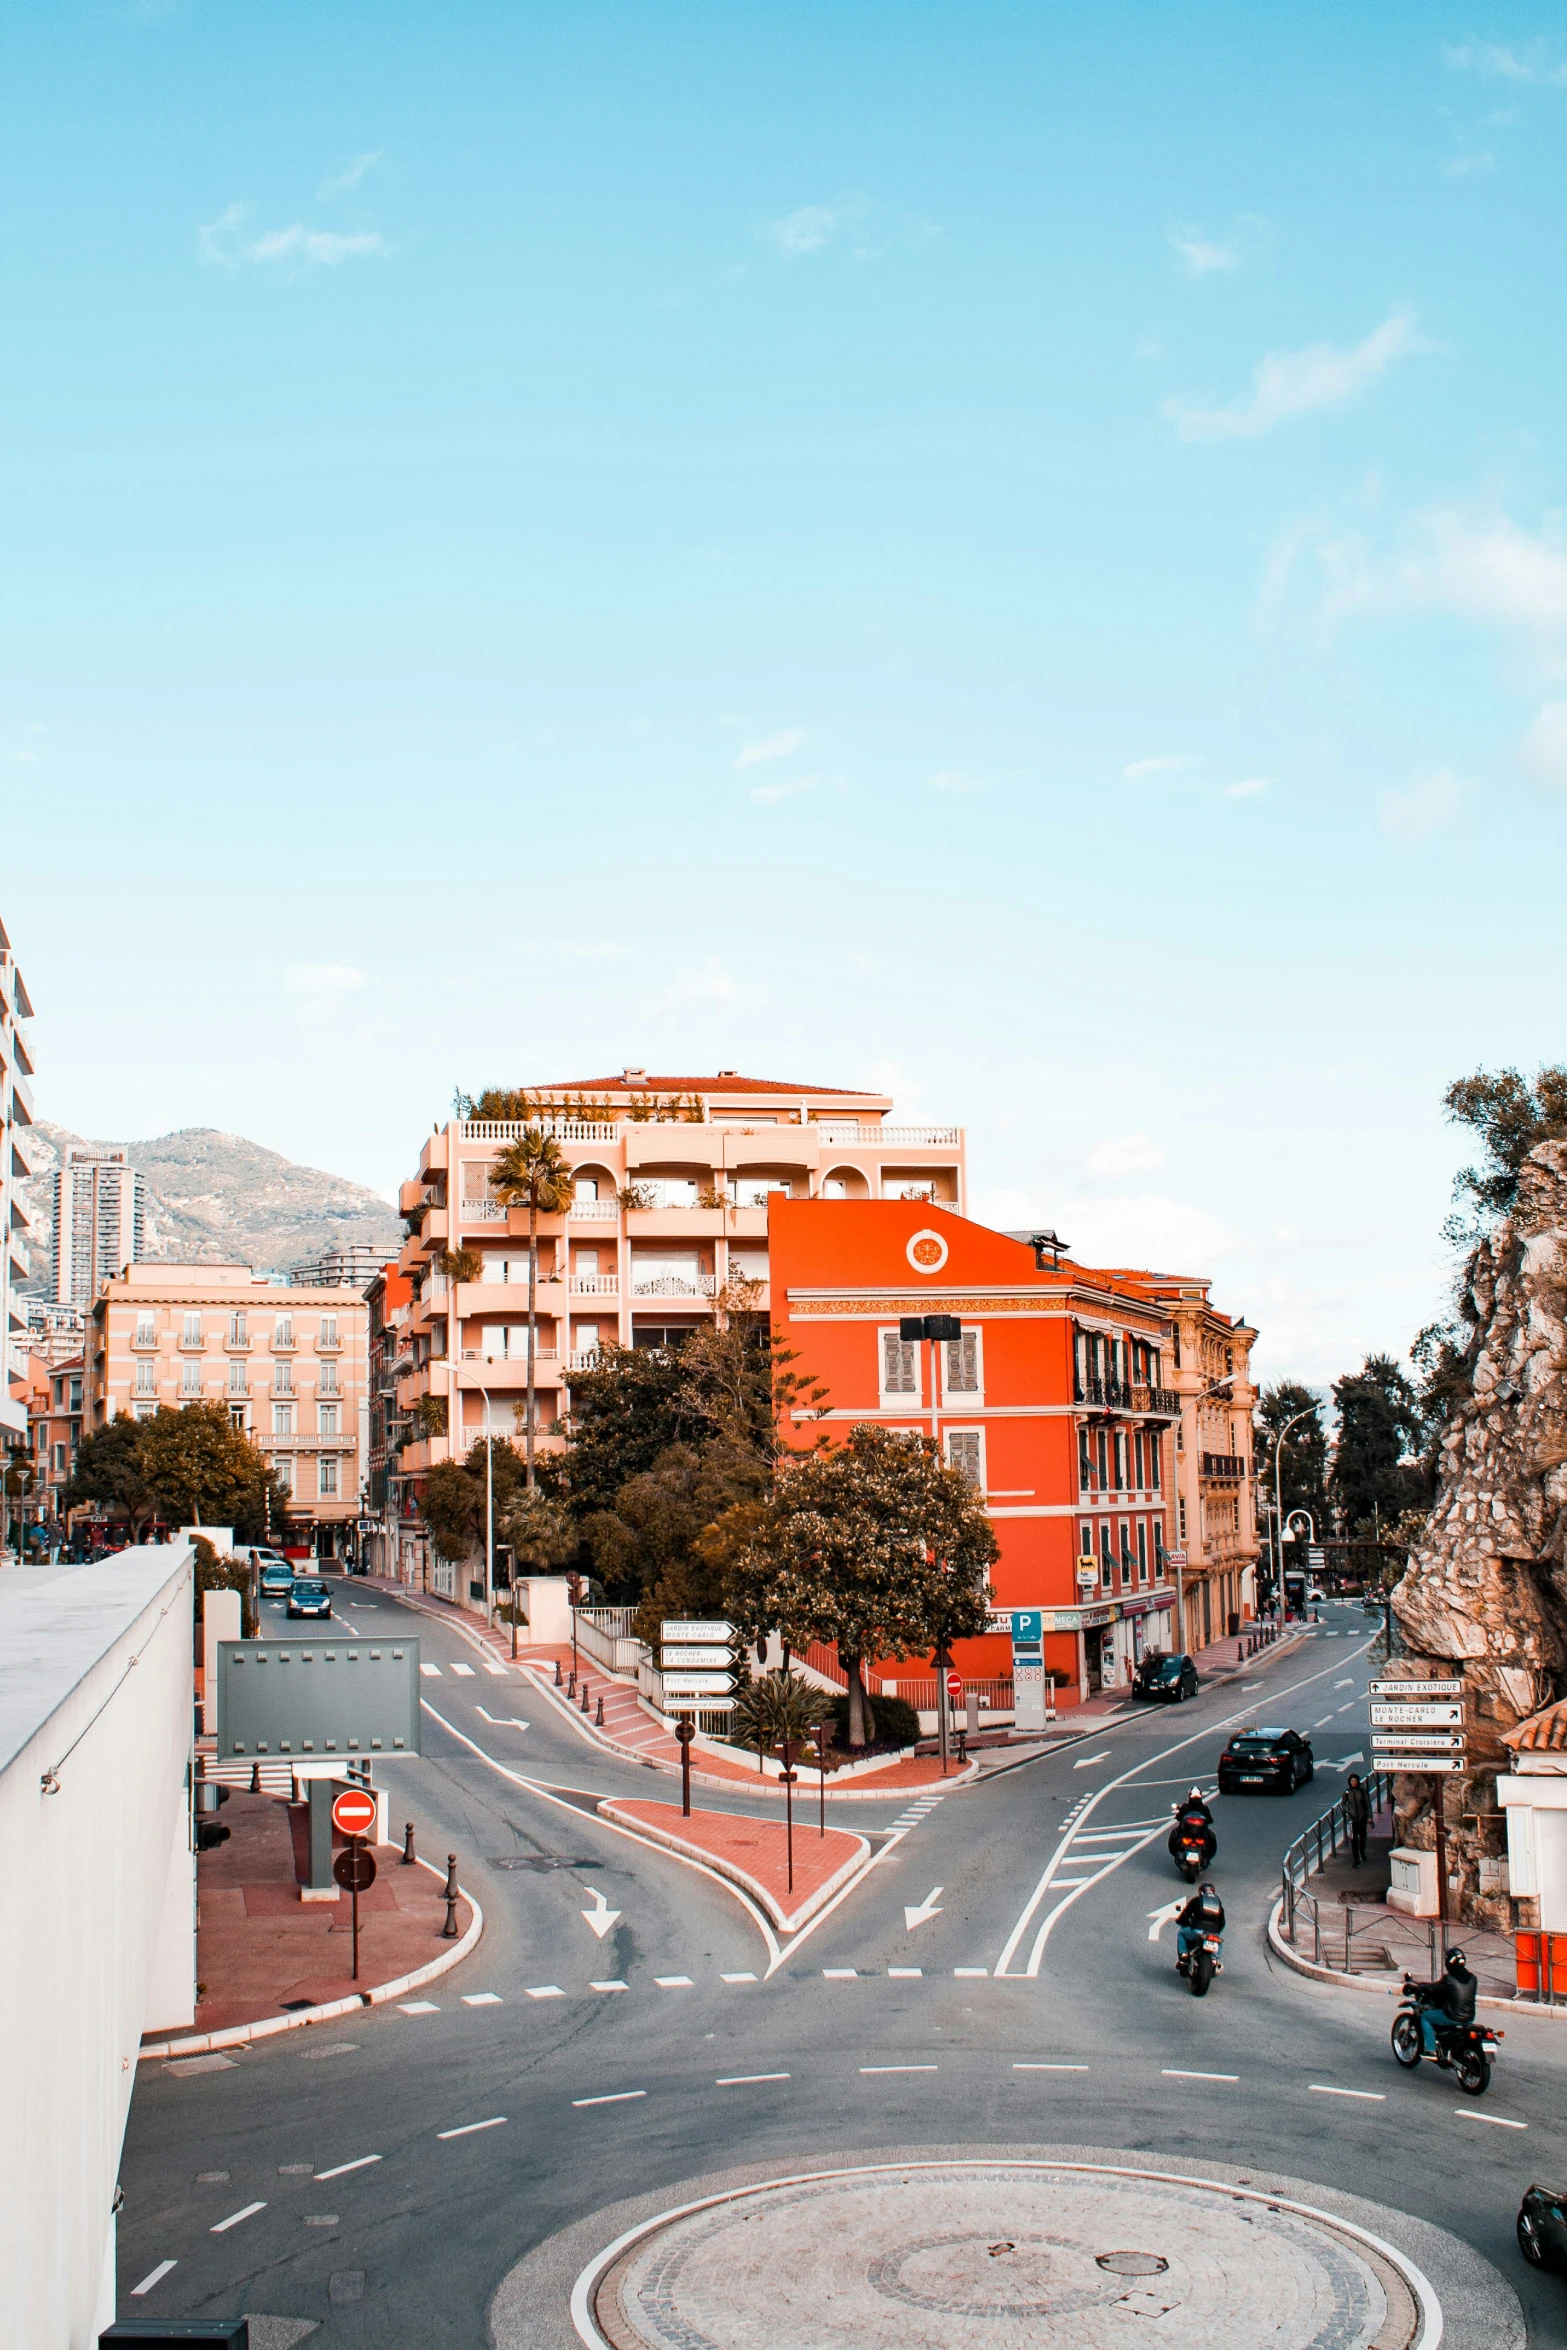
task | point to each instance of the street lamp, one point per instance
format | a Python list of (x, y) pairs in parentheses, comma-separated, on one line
[(939, 1330), (1279, 1443)]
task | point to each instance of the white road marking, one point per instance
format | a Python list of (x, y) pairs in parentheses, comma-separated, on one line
[(495, 2122), (546, 1991), (741, 1978), (600, 1919), (481, 1999), (500, 1669), (1176, 2072), (431, 1672), (897, 2068), (905, 1973), (1086, 1761), (1251, 1684), (1322, 1725), (921, 1913), (1346, 1762), (972, 1970), (499, 1721), (464, 1672), (1050, 2068), (1325, 2089), (363, 2162), (617, 1986), (154, 2276), (1465, 2113), (840, 1974), (619, 2097), (1349, 1684), (418, 2007), (1163, 1917), (674, 1982), (248, 2212), (744, 2080)]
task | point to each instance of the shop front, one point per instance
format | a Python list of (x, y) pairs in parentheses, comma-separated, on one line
[(1112, 1637)]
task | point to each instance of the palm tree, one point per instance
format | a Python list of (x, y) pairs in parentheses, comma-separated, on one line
[(533, 1169)]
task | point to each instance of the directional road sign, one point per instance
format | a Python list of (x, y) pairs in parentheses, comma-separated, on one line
[(1417, 1741), (354, 1812), (1417, 1689), (711, 1658), (1423, 1763), (684, 1685), (695, 1628), (1442, 1714)]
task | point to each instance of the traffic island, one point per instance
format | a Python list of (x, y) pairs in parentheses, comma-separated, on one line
[(268, 1962), (753, 1854)]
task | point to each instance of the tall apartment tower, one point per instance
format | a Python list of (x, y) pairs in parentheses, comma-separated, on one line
[(16, 1115), (100, 1217)]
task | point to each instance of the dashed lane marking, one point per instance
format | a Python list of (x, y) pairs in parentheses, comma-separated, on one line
[(1176, 2072), (904, 1973), (418, 2007), (247, 2211), (1322, 1725), (481, 1999), (1326, 2089), (1466, 2113), (740, 1978), (982, 1971), (1050, 2068), (840, 1974), (616, 1986), (744, 2080), (546, 1991), (463, 1672), (153, 2277), (431, 1672), (500, 1669), (1347, 1684), (496, 2121), (616, 2097), (674, 1982), (897, 2068), (362, 2162)]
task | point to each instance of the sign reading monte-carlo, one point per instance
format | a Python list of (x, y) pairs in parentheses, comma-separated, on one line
[(313, 1697), (697, 1658)]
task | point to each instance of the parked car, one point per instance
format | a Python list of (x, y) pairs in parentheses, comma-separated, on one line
[(1542, 2227), (309, 1596), (277, 1578), (1280, 1760), (1166, 1678)]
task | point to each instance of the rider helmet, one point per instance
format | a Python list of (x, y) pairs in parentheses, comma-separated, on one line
[(1195, 1795), (1455, 1962)]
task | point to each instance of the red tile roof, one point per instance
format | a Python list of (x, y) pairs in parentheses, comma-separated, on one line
[(723, 1083), (1542, 1733)]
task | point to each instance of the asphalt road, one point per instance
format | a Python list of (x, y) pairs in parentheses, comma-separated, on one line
[(1045, 2008)]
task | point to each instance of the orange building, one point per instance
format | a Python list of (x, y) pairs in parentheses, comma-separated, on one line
[(1057, 1399)]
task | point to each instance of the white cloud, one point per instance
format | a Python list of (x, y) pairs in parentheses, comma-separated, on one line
[(1126, 1154), (221, 247), (1301, 383), (1481, 566), (318, 979), (1425, 808), (813, 226), (710, 985), (1250, 787), (1167, 763), (1462, 167), (1165, 1235), (1203, 255), (768, 795), (1545, 746), (1497, 63), (771, 746), (954, 779), (350, 176)]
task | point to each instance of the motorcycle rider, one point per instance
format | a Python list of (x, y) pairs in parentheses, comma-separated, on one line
[(1203, 1914), (1446, 2005), (1194, 1818)]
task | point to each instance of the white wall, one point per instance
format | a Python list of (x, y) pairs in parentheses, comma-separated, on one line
[(97, 1940)]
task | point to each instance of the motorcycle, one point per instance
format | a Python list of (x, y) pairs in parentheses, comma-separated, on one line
[(1464, 2050), (1192, 1852), (1201, 1963)]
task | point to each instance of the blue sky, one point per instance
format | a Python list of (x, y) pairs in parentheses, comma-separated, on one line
[(1009, 552)]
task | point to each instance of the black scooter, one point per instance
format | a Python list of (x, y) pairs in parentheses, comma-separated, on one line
[(1464, 2050), (1191, 1847)]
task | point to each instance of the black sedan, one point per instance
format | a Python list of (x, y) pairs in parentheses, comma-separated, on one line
[(1166, 1678), (1542, 2228), (309, 1596), (1280, 1760)]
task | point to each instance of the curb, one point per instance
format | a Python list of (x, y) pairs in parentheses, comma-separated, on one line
[(787, 1921), (238, 2035), (1382, 1984)]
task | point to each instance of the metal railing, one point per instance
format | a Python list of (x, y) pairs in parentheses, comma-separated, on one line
[(595, 1285), (1231, 1466), (1118, 1395), (482, 1211), (563, 1129), (594, 1211), (1308, 1855), (677, 1285), (831, 1130)]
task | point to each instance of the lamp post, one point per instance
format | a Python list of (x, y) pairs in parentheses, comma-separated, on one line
[(1279, 1443), (938, 1330)]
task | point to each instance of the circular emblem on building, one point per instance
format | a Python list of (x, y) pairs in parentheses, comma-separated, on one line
[(927, 1252)]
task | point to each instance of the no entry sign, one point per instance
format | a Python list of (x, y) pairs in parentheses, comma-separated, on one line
[(354, 1812)]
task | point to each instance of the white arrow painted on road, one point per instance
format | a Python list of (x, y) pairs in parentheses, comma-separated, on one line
[(928, 1908), (602, 1918), (1345, 1763), (500, 1721), (1161, 1918)]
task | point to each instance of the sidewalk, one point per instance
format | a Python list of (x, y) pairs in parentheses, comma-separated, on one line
[(1352, 1919), (266, 1961)]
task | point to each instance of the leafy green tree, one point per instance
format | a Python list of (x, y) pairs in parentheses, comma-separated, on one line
[(874, 1544), (532, 1172), (1510, 1116), (539, 1530), (776, 1706), (1303, 1465), (1377, 1471), (453, 1500), (203, 1471), (109, 1471)]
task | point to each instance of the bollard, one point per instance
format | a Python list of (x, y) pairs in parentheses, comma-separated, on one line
[(584, 1692), (557, 1673), (571, 1682), (449, 1930), (255, 1778), (598, 1718), (409, 1855)]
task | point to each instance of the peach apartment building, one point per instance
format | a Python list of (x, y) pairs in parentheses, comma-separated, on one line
[(289, 1363), (671, 1177)]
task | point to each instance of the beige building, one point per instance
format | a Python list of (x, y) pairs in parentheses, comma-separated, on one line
[(1215, 1474), (671, 1177), (289, 1363), (16, 1115)]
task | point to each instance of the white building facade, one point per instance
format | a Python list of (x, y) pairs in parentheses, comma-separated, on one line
[(16, 1116)]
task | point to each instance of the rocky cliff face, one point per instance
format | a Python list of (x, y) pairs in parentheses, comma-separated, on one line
[(1486, 1593)]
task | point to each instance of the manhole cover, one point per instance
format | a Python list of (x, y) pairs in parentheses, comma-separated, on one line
[(540, 1862), (850, 2260)]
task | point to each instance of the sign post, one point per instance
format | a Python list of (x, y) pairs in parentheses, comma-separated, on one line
[(788, 1748), (353, 1812), (685, 1733), (1422, 1734), (1031, 1708)]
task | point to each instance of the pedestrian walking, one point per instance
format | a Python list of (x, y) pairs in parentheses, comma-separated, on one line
[(1357, 1811)]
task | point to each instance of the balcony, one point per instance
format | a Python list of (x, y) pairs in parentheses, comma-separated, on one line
[(563, 1129), (1223, 1468), (676, 1285), (283, 1343), (594, 1211), (508, 1374), (595, 1285), (856, 1137), (483, 1211), (1115, 1395), (235, 1345), (145, 1341), (191, 1342), (587, 1358)]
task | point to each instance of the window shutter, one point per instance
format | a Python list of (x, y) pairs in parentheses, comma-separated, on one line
[(963, 1452), (963, 1364), (898, 1372)]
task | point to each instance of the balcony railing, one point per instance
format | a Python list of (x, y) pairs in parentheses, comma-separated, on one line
[(676, 1285), (563, 1129), (483, 1211), (831, 1130), (1115, 1395), (594, 1211), (1228, 1468), (145, 1340), (595, 1285), (587, 1358), (191, 1340)]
